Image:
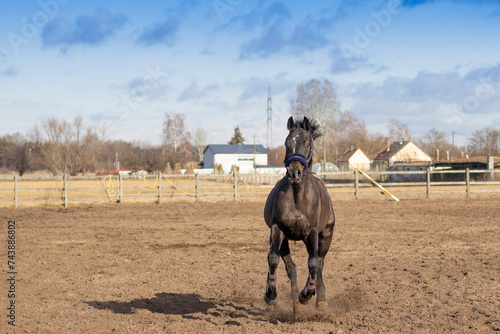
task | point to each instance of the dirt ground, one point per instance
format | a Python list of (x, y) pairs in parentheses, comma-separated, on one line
[(413, 266)]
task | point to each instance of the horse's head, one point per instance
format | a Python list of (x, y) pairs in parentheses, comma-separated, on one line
[(299, 149)]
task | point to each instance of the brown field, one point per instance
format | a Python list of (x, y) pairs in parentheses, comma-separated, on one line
[(414, 266)]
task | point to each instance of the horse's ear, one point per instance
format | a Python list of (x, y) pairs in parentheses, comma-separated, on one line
[(306, 123), (290, 124)]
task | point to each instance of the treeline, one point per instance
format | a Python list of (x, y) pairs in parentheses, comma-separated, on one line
[(70, 147)]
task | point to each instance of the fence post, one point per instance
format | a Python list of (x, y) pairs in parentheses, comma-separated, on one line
[(428, 182), (159, 187), (235, 186), (65, 182), (197, 186), (356, 184), (15, 191), (120, 185), (467, 182)]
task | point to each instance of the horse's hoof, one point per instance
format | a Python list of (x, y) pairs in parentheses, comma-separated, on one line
[(321, 305), (270, 301), (305, 299), (297, 306)]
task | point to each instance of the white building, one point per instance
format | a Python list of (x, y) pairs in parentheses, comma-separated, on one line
[(242, 156), (355, 156), (399, 152)]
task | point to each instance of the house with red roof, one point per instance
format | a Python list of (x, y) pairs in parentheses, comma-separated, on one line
[(355, 156), (400, 152)]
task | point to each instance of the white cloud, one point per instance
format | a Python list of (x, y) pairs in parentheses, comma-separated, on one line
[(446, 100)]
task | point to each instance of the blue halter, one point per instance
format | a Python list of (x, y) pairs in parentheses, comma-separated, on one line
[(296, 157), (300, 157)]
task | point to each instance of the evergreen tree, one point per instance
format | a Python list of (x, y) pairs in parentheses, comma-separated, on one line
[(237, 137)]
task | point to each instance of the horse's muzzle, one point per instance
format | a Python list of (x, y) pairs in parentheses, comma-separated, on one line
[(295, 172)]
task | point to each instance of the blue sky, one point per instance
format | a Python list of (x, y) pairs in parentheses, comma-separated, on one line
[(123, 65)]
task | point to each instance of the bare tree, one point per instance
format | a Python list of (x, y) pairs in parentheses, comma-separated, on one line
[(276, 155), (151, 159), (176, 139), (200, 141), (399, 131), (318, 100), (19, 156), (135, 155), (434, 140), (15, 153), (67, 147), (485, 141), (351, 131), (373, 144)]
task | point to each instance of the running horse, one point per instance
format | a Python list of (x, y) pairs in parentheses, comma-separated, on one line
[(299, 208)]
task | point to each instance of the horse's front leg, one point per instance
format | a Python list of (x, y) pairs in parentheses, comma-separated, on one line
[(313, 264), (273, 259)]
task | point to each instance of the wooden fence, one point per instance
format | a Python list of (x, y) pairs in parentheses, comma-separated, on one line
[(29, 191)]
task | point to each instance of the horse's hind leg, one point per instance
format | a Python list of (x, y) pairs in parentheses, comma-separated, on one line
[(273, 260), (290, 269), (321, 298)]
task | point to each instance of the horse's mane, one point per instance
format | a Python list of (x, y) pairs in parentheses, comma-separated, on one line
[(316, 129)]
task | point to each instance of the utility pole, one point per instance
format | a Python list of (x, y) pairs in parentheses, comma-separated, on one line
[(452, 144), (324, 145), (117, 162), (254, 156)]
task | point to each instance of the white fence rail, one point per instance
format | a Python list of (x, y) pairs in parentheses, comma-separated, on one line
[(15, 191)]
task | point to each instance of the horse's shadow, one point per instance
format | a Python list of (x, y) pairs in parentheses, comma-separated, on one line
[(166, 303), (188, 305)]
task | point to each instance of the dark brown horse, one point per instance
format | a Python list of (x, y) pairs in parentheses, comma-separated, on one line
[(299, 208)]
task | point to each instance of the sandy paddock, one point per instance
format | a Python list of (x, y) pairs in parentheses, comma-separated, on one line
[(413, 266)]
